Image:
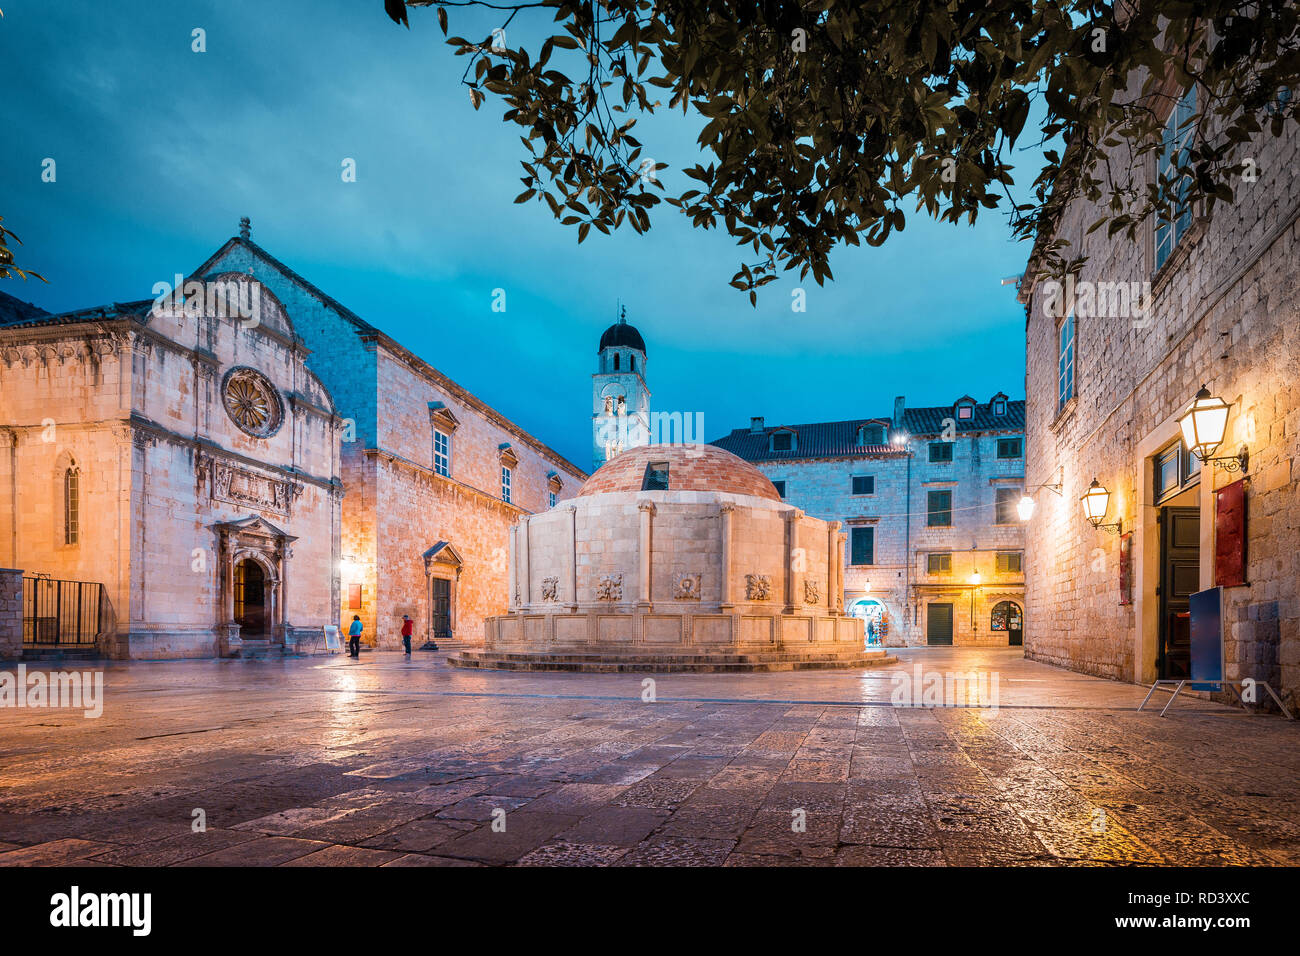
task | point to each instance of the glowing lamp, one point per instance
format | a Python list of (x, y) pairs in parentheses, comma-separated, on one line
[(1095, 502), (1203, 424)]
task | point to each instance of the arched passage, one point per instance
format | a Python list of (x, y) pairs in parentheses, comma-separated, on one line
[(1006, 617), (874, 616), (250, 599)]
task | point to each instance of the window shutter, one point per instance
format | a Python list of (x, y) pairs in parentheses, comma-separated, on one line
[(1230, 535)]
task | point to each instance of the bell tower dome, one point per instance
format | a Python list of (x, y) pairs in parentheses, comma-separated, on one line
[(620, 399)]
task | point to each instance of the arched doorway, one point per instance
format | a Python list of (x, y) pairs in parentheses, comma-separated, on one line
[(874, 617), (250, 600), (1007, 617)]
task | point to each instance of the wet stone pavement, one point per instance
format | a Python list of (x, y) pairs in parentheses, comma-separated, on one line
[(384, 762)]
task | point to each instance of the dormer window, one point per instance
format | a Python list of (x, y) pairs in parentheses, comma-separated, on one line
[(965, 412), (656, 477), (783, 440), (999, 407), (871, 435)]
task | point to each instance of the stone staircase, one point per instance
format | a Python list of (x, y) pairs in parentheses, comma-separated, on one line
[(53, 654), (671, 663), (451, 645)]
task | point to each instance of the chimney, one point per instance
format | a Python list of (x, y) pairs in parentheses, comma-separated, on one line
[(900, 405), (756, 425)]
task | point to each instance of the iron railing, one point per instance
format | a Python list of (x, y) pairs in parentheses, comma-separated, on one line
[(60, 612)]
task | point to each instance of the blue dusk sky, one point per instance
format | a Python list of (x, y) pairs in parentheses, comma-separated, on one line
[(160, 150)]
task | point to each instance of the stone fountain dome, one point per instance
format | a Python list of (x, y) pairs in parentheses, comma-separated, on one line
[(690, 468)]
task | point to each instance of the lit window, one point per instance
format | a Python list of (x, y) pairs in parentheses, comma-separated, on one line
[(1175, 149), (1008, 562), (965, 412), (442, 453), (1065, 362), (939, 563), (999, 407), (71, 505), (505, 484)]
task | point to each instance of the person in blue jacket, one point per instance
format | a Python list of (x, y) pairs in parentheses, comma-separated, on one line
[(354, 636)]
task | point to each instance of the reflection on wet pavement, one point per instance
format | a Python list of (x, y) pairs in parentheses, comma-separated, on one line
[(327, 761)]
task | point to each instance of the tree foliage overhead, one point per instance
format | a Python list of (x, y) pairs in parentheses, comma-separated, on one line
[(829, 121), (7, 268)]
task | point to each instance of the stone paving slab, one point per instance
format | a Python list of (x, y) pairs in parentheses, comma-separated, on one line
[(330, 762)]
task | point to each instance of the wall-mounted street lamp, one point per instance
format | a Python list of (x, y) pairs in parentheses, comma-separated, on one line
[(1095, 502), (1204, 424), (1025, 508)]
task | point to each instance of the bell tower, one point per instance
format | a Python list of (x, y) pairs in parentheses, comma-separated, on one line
[(620, 399)]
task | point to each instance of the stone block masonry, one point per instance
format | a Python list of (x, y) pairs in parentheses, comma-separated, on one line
[(11, 614), (1223, 313)]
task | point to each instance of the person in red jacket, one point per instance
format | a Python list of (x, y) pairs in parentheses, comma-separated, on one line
[(407, 626)]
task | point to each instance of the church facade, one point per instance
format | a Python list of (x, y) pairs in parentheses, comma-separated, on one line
[(170, 472), (434, 476), (237, 477)]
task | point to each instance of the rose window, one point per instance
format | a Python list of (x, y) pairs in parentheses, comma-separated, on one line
[(251, 402)]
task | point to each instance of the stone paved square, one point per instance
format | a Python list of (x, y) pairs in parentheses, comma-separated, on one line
[(326, 761)]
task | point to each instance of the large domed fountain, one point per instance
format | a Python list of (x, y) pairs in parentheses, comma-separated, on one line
[(673, 558)]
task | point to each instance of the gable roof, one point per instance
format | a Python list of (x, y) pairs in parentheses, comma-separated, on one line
[(366, 330), (14, 311), (930, 420), (840, 439), (816, 440)]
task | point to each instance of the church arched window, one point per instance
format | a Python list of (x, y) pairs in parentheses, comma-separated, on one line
[(632, 360), (615, 361), (71, 505)]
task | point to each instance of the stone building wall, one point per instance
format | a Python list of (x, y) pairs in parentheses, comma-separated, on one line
[(11, 614), (898, 575), (1224, 314), (134, 404), (395, 507)]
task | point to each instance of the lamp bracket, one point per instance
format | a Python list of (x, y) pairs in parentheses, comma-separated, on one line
[(1238, 462), (1114, 527)]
